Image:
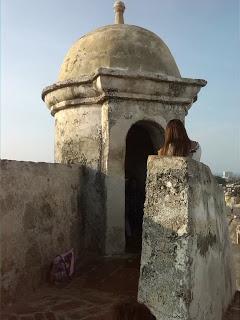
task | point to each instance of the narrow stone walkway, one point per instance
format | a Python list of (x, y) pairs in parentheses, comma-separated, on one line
[(90, 295)]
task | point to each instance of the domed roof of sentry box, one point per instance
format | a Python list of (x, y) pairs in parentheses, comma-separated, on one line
[(118, 46)]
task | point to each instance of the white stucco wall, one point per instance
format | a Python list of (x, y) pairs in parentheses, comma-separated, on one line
[(78, 139)]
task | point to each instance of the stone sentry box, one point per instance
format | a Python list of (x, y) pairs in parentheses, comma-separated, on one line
[(112, 79), (92, 130), (186, 264)]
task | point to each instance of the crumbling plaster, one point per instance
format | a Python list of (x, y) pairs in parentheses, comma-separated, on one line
[(186, 264)]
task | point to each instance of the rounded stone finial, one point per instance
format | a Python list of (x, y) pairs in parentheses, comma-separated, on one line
[(119, 8)]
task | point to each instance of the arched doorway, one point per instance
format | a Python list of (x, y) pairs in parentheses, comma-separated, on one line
[(143, 139)]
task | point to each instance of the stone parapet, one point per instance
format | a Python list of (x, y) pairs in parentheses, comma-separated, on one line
[(40, 217), (186, 264)]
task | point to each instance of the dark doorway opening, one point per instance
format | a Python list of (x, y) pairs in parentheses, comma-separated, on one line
[(144, 138)]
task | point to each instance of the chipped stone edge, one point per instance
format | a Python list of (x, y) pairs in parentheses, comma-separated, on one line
[(90, 89), (121, 73)]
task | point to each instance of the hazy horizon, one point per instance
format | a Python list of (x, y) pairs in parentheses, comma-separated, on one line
[(202, 36)]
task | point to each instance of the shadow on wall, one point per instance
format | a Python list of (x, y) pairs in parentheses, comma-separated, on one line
[(46, 209), (93, 209)]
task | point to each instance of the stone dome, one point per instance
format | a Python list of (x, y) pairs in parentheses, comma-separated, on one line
[(118, 46)]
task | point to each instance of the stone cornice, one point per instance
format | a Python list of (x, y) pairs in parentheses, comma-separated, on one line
[(121, 84), (136, 97), (121, 74)]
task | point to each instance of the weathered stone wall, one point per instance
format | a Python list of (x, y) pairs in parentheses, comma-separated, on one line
[(93, 114), (78, 135), (186, 264), (78, 139), (40, 217), (95, 136)]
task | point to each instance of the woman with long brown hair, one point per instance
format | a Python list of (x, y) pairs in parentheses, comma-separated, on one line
[(177, 142)]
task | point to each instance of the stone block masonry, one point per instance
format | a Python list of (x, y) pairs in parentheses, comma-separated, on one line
[(186, 264), (40, 217)]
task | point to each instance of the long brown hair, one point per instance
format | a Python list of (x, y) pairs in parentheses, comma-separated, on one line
[(176, 142)]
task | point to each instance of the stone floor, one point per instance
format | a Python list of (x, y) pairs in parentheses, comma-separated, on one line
[(90, 295)]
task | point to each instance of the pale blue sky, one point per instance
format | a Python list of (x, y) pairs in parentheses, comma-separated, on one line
[(203, 37)]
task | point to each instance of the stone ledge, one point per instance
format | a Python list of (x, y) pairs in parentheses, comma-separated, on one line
[(106, 84), (121, 73)]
